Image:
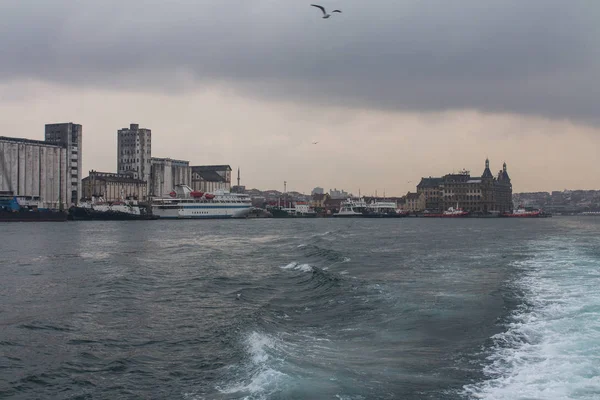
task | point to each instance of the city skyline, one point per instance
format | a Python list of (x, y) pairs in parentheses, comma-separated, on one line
[(396, 92)]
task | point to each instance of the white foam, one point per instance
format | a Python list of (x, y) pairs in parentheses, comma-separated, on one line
[(290, 265), (264, 379), (551, 347), (298, 267)]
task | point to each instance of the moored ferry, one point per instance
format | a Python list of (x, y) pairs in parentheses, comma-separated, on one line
[(449, 213), (523, 213), (352, 208), (185, 203)]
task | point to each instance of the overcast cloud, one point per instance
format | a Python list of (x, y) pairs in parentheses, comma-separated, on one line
[(528, 57)]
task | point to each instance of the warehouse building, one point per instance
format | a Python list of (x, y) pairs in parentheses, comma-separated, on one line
[(35, 169)]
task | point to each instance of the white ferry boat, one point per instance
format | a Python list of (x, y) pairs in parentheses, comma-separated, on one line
[(352, 208), (184, 203)]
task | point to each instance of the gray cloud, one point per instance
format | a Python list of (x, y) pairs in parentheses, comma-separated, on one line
[(532, 57)]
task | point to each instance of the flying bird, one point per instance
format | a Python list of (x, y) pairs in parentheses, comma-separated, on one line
[(325, 15), (315, 142)]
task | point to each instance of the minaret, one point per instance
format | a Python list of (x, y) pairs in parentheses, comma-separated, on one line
[(238, 177)]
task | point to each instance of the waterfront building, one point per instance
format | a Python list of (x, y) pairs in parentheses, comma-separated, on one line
[(414, 202), (210, 178), (69, 136), (134, 152), (430, 187), (36, 170), (484, 194), (166, 173), (112, 187)]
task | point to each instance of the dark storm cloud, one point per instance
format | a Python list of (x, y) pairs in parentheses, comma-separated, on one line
[(533, 57)]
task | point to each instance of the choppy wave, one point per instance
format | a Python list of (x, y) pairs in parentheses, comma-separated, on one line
[(259, 376), (298, 267), (551, 347)]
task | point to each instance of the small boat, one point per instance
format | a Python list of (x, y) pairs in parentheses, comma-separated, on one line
[(524, 213), (383, 209), (352, 208), (449, 213)]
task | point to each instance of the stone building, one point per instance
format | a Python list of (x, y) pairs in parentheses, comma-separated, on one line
[(166, 173), (113, 186), (484, 194), (430, 187), (134, 152), (69, 136), (210, 178), (36, 170), (415, 202)]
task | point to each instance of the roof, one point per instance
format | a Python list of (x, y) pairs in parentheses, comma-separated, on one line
[(112, 177), (211, 168), (29, 141), (160, 160), (210, 176), (430, 182), (413, 196), (474, 181)]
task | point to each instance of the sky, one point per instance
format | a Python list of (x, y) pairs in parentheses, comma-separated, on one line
[(392, 91)]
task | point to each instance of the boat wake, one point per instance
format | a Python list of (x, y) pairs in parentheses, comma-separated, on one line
[(551, 347), (260, 377)]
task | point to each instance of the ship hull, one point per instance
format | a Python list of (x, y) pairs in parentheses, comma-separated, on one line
[(87, 214), (201, 211), (33, 216), (445, 216)]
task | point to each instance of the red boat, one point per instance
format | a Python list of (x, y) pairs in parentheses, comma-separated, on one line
[(197, 194), (209, 196)]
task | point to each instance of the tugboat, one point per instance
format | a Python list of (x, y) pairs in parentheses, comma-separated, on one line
[(27, 209), (100, 210)]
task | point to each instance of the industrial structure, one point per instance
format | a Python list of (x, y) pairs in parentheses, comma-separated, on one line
[(35, 170), (166, 173), (113, 187), (69, 136), (210, 178)]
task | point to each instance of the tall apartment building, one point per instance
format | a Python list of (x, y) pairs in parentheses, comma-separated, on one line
[(69, 136), (134, 146)]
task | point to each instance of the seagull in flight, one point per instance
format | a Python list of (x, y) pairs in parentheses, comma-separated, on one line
[(325, 15), (315, 142)]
